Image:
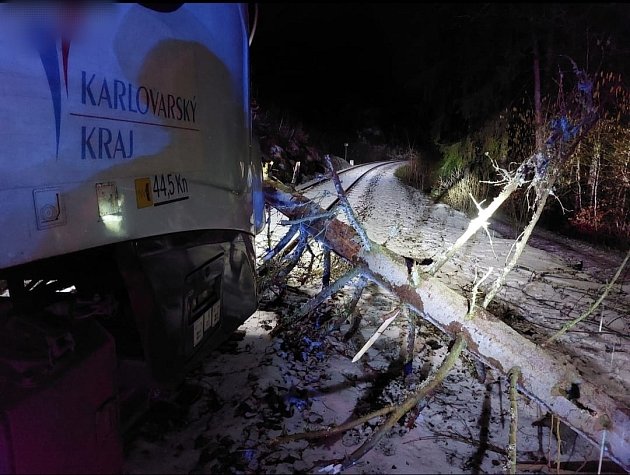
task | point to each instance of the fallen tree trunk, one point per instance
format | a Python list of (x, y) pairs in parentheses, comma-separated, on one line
[(548, 379)]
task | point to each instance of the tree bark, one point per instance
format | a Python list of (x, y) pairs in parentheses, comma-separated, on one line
[(545, 378)]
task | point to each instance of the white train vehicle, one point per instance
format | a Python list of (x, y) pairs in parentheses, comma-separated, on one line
[(130, 195)]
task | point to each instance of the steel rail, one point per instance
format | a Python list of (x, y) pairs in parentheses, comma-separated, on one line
[(323, 179), (289, 247)]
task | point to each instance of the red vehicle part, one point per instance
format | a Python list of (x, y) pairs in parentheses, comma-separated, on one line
[(70, 367)]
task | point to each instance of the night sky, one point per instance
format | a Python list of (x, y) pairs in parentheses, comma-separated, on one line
[(324, 62), (412, 69)]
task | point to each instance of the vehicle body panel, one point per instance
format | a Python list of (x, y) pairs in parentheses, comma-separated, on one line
[(118, 122)]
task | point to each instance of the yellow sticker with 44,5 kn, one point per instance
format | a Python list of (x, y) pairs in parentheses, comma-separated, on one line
[(161, 189), (144, 198)]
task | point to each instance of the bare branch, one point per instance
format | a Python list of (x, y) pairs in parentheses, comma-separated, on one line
[(520, 244), (475, 290), (411, 402), (479, 221), (514, 374), (389, 318), (593, 307), (306, 274), (318, 434), (306, 219), (326, 265), (409, 341), (345, 205), (292, 259), (539, 162), (351, 310), (314, 302), (282, 243), (356, 313)]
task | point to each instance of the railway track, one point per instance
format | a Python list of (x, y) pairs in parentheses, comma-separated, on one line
[(317, 181), (369, 168), (329, 204)]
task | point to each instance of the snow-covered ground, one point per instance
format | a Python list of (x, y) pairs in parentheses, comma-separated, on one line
[(257, 387)]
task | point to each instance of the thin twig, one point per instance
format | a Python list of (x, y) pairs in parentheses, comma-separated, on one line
[(293, 258), (514, 375), (520, 245), (351, 308), (409, 403), (388, 319), (475, 290), (326, 292), (307, 219), (593, 307), (282, 243), (318, 434)]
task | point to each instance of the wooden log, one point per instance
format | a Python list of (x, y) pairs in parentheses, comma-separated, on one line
[(544, 377)]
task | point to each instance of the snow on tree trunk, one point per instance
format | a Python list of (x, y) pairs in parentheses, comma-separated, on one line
[(547, 378)]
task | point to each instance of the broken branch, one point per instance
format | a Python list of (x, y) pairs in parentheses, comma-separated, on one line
[(521, 243), (345, 205), (475, 290), (389, 318), (318, 434), (350, 309), (428, 386), (314, 302), (326, 292), (282, 243)]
